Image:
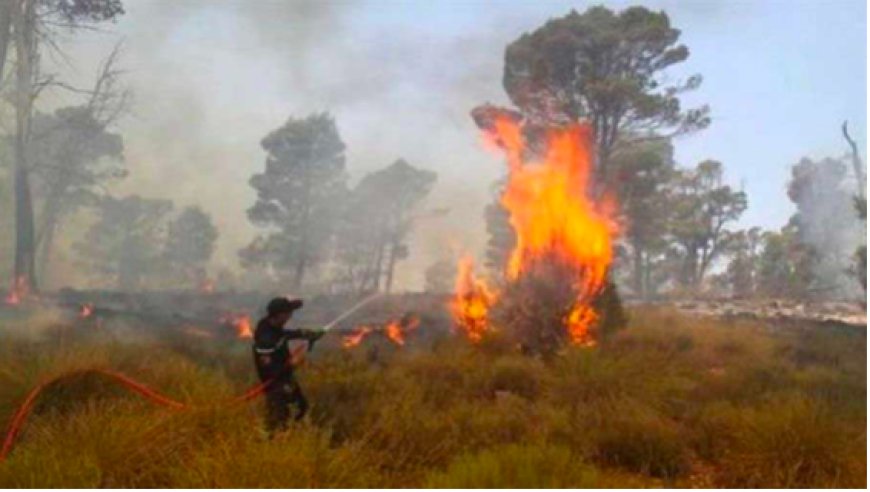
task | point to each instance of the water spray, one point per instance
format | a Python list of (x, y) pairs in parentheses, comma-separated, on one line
[(356, 307)]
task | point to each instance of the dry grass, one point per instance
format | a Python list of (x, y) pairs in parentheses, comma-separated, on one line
[(665, 400)]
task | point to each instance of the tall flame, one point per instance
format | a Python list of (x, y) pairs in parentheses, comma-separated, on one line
[(471, 301), (553, 215), (547, 197)]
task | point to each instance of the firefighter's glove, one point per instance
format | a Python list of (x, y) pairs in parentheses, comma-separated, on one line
[(314, 335)]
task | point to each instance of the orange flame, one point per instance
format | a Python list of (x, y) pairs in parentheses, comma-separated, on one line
[(241, 323), (547, 197), (206, 286), (86, 310), (356, 336), (18, 292), (471, 301), (243, 327), (394, 330)]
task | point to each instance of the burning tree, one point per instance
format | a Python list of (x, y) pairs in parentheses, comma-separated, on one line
[(609, 69)]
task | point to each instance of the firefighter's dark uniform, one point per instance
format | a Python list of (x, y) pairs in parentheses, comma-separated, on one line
[(272, 358)]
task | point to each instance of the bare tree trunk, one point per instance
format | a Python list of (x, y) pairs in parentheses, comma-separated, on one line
[(391, 265), (45, 236), (25, 261), (647, 278), (44, 248), (5, 30), (299, 274), (378, 270), (857, 165), (690, 268), (637, 273)]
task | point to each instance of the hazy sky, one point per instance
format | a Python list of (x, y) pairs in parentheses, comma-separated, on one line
[(211, 78)]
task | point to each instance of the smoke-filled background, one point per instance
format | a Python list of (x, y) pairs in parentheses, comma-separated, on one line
[(620, 244), (209, 80)]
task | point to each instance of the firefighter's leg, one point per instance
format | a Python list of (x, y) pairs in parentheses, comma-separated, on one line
[(300, 401), (277, 406)]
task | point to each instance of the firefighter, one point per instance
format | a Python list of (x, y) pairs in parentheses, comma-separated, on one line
[(274, 363)]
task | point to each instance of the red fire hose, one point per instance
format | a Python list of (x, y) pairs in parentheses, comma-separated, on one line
[(20, 415)]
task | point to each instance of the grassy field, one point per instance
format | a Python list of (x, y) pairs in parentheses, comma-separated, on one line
[(670, 401)]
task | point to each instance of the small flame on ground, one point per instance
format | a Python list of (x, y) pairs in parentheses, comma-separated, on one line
[(241, 323), (207, 286), (471, 301), (356, 337), (243, 327), (18, 292), (395, 330), (86, 310)]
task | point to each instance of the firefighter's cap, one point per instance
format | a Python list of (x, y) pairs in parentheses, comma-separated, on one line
[(280, 305)]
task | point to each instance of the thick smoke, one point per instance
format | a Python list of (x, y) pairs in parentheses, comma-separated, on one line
[(210, 79)]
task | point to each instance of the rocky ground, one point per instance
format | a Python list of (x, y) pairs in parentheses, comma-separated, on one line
[(850, 314)]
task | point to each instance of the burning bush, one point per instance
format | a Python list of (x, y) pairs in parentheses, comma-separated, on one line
[(471, 302), (558, 269), (534, 308)]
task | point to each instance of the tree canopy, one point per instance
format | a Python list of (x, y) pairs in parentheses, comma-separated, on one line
[(190, 242), (607, 67), (125, 243), (297, 196), (378, 216)]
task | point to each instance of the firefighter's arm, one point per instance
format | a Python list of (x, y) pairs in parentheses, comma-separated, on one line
[(311, 334)]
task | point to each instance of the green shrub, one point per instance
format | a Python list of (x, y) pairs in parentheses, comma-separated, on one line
[(518, 375), (642, 442), (517, 466), (745, 406), (791, 442), (300, 457)]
